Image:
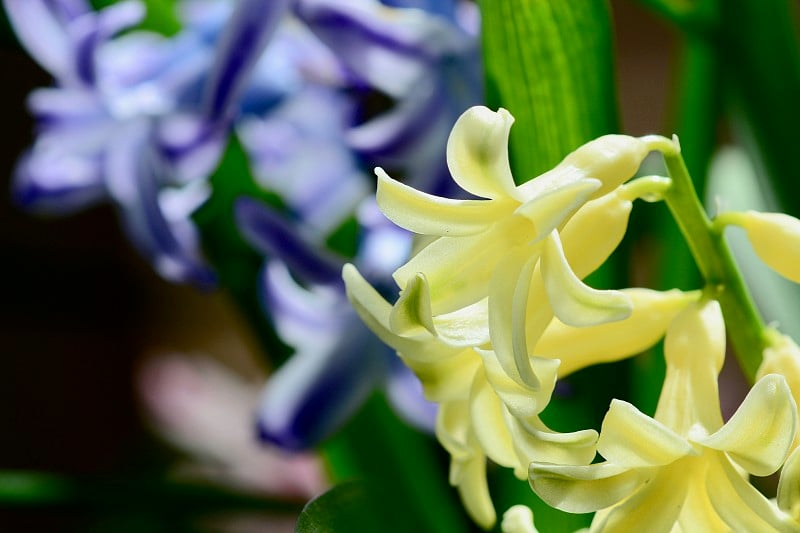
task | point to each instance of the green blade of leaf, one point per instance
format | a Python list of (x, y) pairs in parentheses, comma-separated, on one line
[(551, 65)]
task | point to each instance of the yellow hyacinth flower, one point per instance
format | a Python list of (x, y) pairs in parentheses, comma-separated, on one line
[(474, 235), (683, 469), (473, 423), (775, 237)]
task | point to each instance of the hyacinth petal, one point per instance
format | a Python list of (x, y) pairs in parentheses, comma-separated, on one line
[(789, 486), (132, 174), (458, 269), (474, 491), (509, 293), (548, 210), (581, 347), (758, 435), (374, 311), (573, 302), (776, 239), (317, 390), (612, 159), (432, 215), (270, 233), (534, 441), (44, 36), (521, 400), (468, 326), (658, 504), (632, 439), (448, 377), (486, 412), (246, 34), (585, 489), (594, 232), (452, 429), (477, 153), (518, 519), (740, 505), (412, 311)]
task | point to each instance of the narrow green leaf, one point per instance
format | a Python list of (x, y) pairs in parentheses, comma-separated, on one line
[(550, 64)]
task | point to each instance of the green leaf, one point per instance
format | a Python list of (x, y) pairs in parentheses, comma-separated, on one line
[(354, 507), (550, 64)]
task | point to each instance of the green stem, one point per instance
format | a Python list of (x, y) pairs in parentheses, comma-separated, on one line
[(723, 280)]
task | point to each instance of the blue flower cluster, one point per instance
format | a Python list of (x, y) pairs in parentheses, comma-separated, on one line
[(317, 92)]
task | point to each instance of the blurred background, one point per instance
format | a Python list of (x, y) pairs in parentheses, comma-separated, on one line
[(89, 333)]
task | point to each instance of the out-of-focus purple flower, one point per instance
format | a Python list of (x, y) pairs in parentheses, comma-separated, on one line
[(423, 59), (337, 362), (136, 119)]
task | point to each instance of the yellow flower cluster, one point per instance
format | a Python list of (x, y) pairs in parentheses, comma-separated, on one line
[(493, 310)]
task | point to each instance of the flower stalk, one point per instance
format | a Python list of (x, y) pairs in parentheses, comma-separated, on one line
[(724, 282)]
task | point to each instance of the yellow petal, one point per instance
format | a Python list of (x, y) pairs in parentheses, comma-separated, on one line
[(507, 313), (739, 504), (534, 441), (776, 239), (584, 489), (474, 491), (452, 428), (612, 159), (432, 215), (468, 326), (783, 358), (446, 377), (758, 435), (580, 347), (550, 209), (458, 269), (594, 232), (486, 411), (521, 400), (658, 505), (789, 486), (518, 519), (477, 152), (694, 349), (630, 438), (412, 311), (573, 302), (375, 312)]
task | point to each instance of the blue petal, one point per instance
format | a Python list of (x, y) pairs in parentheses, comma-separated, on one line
[(390, 49), (298, 152), (133, 175), (90, 31), (57, 184), (274, 236), (246, 35), (301, 316), (316, 391), (42, 29)]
